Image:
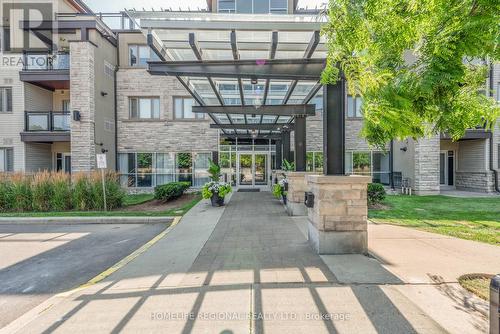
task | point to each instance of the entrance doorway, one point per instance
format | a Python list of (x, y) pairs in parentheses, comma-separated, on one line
[(252, 169), (447, 168)]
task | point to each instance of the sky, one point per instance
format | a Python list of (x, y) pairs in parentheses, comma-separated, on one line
[(117, 5)]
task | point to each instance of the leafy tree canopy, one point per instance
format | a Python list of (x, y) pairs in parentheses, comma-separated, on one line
[(419, 65)]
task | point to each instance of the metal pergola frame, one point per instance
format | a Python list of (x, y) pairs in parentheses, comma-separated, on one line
[(260, 118)]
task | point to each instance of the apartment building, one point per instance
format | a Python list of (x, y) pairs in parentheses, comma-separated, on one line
[(91, 92)]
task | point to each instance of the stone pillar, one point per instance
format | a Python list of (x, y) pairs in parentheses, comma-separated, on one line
[(297, 186), (338, 220), (82, 95), (427, 166)]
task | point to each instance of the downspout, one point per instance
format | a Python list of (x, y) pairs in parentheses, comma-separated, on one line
[(116, 98), (391, 165), (490, 135)]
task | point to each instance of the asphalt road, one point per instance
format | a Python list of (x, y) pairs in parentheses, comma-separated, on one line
[(38, 261)]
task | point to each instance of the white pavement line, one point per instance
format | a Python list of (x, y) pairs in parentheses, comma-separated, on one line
[(16, 325)]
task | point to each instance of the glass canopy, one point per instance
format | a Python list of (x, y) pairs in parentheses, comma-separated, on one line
[(186, 36)]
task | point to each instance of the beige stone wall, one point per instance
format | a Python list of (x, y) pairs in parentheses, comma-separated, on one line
[(165, 134), (426, 180), (82, 95)]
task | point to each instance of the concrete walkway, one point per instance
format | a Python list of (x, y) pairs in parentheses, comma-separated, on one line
[(245, 268)]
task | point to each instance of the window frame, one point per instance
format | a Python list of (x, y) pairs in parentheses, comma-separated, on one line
[(354, 101), (184, 119), (8, 160), (5, 101), (137, 48), (138, 108)]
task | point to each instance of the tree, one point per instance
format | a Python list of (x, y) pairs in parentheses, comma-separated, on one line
[(419, 65)]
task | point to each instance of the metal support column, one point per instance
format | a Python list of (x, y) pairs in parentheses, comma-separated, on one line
[(300, 143), (334, 128), (286, 145), (279, 154)]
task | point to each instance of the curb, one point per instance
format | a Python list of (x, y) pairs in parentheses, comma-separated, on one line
[(85, 220)]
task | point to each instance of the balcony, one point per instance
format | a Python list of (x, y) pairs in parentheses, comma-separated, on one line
[(49, 70), (46, 126)]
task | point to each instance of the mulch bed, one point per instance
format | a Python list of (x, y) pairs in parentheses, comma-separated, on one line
[(157, 206)]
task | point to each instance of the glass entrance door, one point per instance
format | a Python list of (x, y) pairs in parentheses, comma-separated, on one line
[(260, 173), (253, 169), (245, 169)]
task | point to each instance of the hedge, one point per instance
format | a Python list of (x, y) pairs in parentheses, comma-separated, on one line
[(50, 191), (170, 191)]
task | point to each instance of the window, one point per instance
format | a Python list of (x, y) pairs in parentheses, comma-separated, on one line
[(376, 164), (6, 160), (183, 108), (5, 39), (227, 6), (498, 92), (5, 99), (139, 55), (63, 162), (66, 106), (314, 162), (278, 6), (354, 107), (144, 108)]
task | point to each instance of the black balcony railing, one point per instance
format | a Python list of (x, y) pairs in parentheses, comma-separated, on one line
[(46, 121), (40, 61)]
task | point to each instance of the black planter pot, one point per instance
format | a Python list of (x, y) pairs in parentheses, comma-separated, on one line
[(217, 200)]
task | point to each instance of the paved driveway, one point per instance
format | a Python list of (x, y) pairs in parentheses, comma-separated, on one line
[(38, 261)]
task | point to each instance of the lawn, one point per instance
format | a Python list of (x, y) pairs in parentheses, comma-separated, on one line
[(129, 200), (467, 218)]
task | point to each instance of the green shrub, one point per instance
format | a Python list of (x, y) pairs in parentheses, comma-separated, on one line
[(115, 195), (20, 195), (376, 193), (5, 195), (277, 190), (42, 190), (61, 197), (170, 191)]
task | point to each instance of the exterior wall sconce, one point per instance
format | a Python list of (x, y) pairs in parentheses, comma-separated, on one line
[(104, 94), (76, 115), (404, 149)]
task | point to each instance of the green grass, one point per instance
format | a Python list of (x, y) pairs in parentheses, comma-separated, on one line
[(137, 199), (467, 218), (173, 212), (478, 284)]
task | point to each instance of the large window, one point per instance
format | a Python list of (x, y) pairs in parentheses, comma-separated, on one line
[(354, 107), (139, 55), (6, 160), (314, 162), (278, 6), (144, 108), (371, 163), (183, 108), (152, 169), (253, 6), (5, 99)]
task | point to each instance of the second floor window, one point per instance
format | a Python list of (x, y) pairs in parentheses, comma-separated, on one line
[(144, 108), (5, 99), (139, 55), (227, 6), (354, 107), (183, 108)]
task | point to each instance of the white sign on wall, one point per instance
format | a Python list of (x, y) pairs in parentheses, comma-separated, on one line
[(101, 161)]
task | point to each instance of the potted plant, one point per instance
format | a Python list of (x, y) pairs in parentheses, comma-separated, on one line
[(215, 190), (280, 189)]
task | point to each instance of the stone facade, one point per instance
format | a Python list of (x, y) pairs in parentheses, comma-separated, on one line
[(159, 135), (338, 220), (426, 178), (297, 186), (82, 76), (475, 181)]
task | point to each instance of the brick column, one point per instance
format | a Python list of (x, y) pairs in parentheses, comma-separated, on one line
[(338, 220), (297, 186), (82, 95)]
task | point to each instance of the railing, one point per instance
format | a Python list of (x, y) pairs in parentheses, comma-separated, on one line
[(46, 121), (40, 61)]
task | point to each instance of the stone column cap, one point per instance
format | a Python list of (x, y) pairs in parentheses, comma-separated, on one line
[(334, 179), (299, 173)]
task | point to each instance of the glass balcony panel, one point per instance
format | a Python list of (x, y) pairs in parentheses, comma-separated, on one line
[(61, 122), (38, 122)]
